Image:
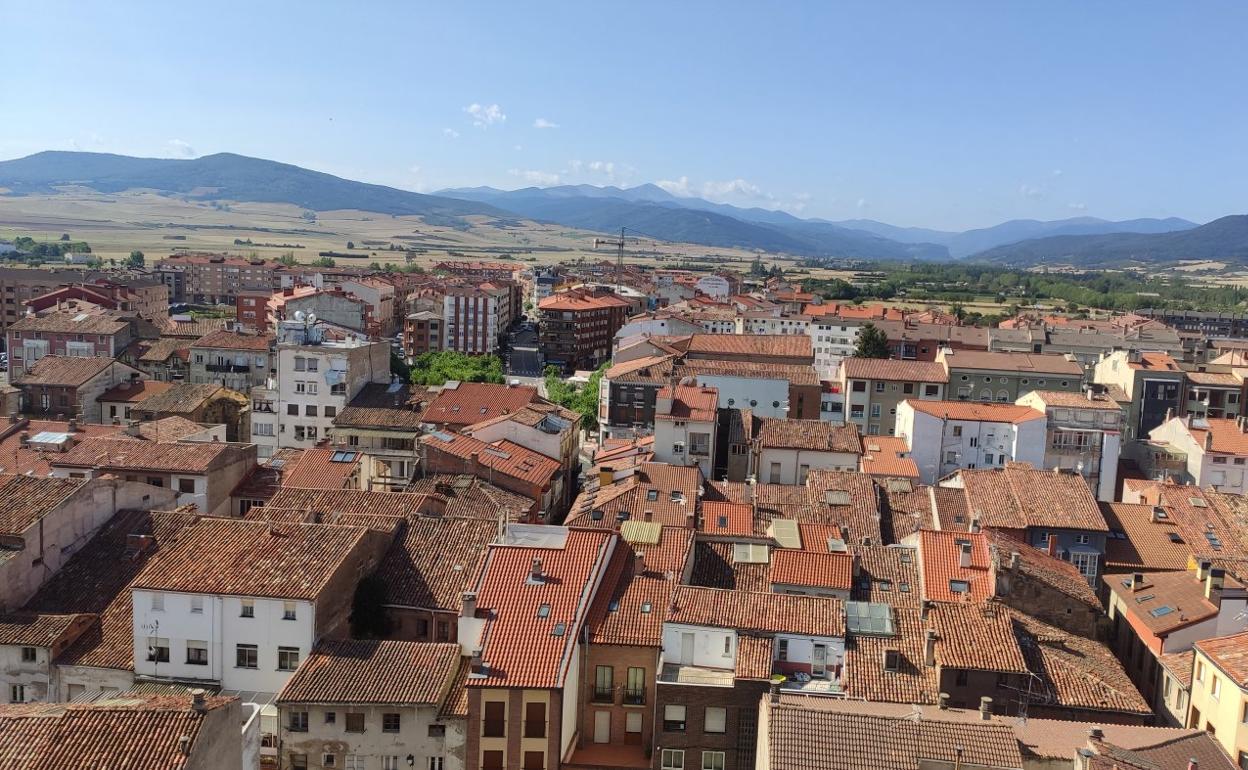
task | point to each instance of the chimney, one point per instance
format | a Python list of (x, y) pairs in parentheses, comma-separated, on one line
[(468, 604), (535, 570), (1213, 585), (1202, 569), (1208, 440), (964, 557), (197, 701), (1191, 763), (647, 515), (639, 563), (929, 648), (184, 745), (1015, 556), (975, 528), (1096, 735), (944, 701), (1053, 545), (73, 425), (476, 665), (1159, 513), (985, 708), (1137, 581)]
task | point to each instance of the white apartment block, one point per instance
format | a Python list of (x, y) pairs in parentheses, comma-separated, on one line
[(475, 318), (946, 436)]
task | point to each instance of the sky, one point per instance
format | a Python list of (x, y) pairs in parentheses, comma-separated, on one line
[(937, 114)]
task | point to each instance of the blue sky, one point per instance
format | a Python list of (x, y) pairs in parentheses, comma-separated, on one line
[(938, 114)]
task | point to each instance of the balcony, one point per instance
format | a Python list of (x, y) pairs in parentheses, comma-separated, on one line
[(603, 695), (228, 368), (675, 673), (635, 697)]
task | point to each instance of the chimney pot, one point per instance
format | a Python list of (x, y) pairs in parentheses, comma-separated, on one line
[(985, 707), (468, 601), (197, 701), (944, 701), (1096, 734), (535, 571), (1137, 581)]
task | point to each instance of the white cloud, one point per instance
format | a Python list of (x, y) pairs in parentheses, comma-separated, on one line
[(485, 115), (733, 188), (679, 187), (539, 178), (544, 123), (1057, 172), (863, 203), (1077, 206), (1030, 191), (179, 148), (452, 133)]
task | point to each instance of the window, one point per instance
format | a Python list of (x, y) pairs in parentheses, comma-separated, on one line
[(157, 650), (673, 759), (248, 608), (959, 586), (309, 410), (1082, 539), (674, 718), (288, 610), (332, 411), (437, 731), (311, 388), (298, 722), (1200, 671), (29, 654), (782, 650), (331, 717), (197, 605), (246, 656), (355, 721), (716, 719), (635, 690), (494, 723), (158, 602), (354, 762), (301, 364), (712, 760), (298, 762), (974, 441), (17, 693), (435, 763), (196, 653), (186, 486), (892, 660), (391, 723), (727, 645), (329, 760), (534, 760), (287, 658), (603, 683), (491, 760), (961, 678), (535, 720), (957, 430), (262, 429), (1215, 687), (292, 410)]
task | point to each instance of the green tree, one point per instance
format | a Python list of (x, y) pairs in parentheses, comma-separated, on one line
[(324, 262), (583, 399), (136, 259), (438, 368), (350, 244), (872, 342), (288, 259), (64, 236), (958, 311)]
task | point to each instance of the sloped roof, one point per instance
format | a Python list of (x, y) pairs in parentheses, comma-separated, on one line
[(381, 672)]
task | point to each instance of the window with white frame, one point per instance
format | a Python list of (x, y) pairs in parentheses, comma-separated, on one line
[(673, 759), (712, 760)]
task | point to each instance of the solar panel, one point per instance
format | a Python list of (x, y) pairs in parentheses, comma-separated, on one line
[(869, 618), (1160, 611)]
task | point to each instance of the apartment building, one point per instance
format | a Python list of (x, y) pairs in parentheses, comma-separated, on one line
[(139, 295), (785, 451), (372, 704), (873, 388), (628, 394), (240, 603), (71, 385), (65, 334), (380, 297), (1219, 692), (1214, 452), (234, 359), (578, 326), (216, 278), (383, 422), (1150, 385), (476, 318), (945, 436), (19, 285), (1216, 394), (685, 426), (319, 371), (1083, 435), (1005, 377), (422, 333)]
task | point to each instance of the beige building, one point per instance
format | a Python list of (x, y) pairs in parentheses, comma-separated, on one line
[(976, 375), (873, 388), (1219, 702)]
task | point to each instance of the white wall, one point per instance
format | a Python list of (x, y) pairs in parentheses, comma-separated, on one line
[(791, 460), (667, 433), (931, 439), (708, 645), (756, 394)]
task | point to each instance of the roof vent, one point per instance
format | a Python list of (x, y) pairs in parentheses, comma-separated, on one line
[(535, 571)]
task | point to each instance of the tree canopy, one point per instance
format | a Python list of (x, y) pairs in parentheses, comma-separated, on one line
[(872, 342), (583, 399), (437, 368)]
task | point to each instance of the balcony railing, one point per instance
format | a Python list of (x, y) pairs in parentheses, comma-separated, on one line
[(634, 697), (228, 368), (603, 695)]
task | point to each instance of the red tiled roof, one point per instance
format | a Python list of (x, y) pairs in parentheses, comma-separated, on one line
[(754, 657), (888, 456), (25, 500), (322, 468), (720, 518), (70, 371), (505, 457), (893, 370), (796, 374), (941, 553), (575, 301), (471, 402), (434, 561), (1019, 496), (519, 648), (1227, 436), (135, 390), (815, 435), (810, 568), (976, 411), (127, 454), (1154, 361), (690, 402), (1148, 544), (224, 339), (759, 345), (1229, 653), (758, 611), (381, 672), (978, 637), (249, 558), (38, 629), (1037, 363)]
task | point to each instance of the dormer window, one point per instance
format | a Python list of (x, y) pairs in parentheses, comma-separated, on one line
[(892, 660), (959, 587), (543, 611)]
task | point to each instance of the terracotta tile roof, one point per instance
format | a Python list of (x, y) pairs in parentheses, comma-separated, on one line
[(816, 435), (867, 742), (471, 402), (887, 575), (952, 508), (719, 518), (1179, 664), (1214, 379), (714, 566), (847, 498), (908, 508), (796, 374), (472, 497), (1227, 436), (579, 301), (96, 580), (70, 323), (888, 456), (941, 554), (504, 457), (754, 657), (757, 611), (520, 649), (1229, 653), (1146, 544), (25, 500), (69, 371), (38, 629), (224, 339), (649, 487), (893, 370), (1019, 496), (1027, 363), (434, 561), (1075, 672), (183, 398), (129, 733), (167, 429), (689, 402), (865, 673), (1062, 398), (534, 414), (1181, 591), (456, 704), (978, 637), (349, 501), (247, 558), (22, 460), (159, 351), (381, 672), (651, 369), (323, 468), (185, 327), (128, 455), (976, 411), (136, 390), (1152, 361), (810, 568), (1062, 576), (379, 406), (758, 345), (629, 607)]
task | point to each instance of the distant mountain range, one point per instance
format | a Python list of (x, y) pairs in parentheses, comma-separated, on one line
[(646, 209)]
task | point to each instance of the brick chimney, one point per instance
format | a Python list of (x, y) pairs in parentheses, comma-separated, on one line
[(1053, 545), (1213, 585)]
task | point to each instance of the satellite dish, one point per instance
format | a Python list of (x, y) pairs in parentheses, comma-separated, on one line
[(299, 314), (311, 318)]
